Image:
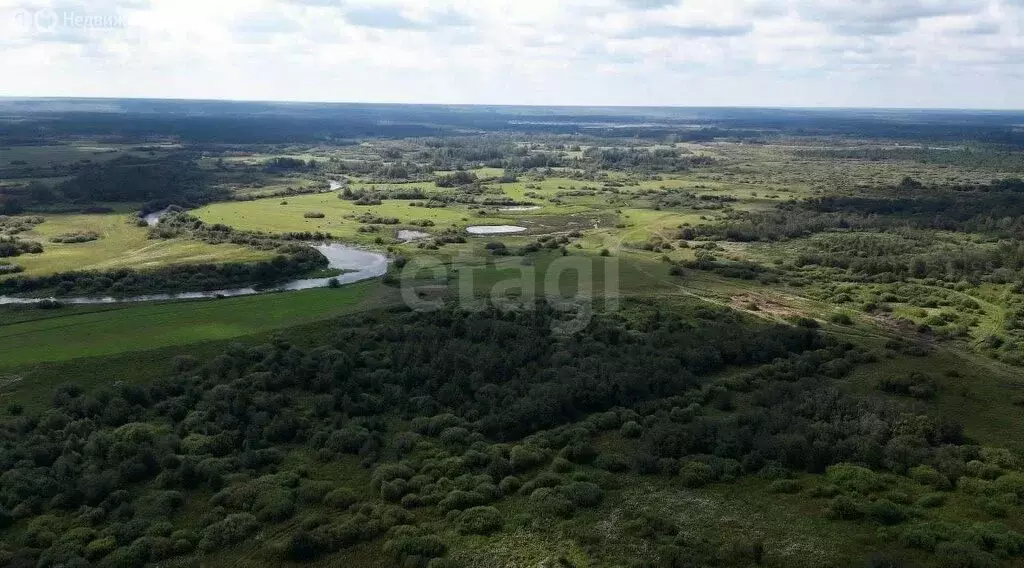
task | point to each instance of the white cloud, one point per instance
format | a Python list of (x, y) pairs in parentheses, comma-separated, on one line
[(693, 52)]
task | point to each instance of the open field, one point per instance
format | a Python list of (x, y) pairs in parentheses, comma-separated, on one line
[(121, 244), (58, 337)]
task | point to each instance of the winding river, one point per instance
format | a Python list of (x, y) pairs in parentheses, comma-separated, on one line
[(358, 265)]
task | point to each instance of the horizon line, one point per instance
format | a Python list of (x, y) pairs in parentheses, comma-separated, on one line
[(507, 105)]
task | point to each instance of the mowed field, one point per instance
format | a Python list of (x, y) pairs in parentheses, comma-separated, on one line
[(62, 335), (122, 244)]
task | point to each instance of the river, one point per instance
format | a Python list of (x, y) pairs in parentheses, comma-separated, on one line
[(358, 265)]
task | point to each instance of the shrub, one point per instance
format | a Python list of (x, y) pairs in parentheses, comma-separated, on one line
[(100, 547), (341, 498), (415, 550), (561, 465), (927, 475), (458, 499), (480, 520), (885, 512), (631, 430), (77, 237), (855, 478), (841, 318), (313, 491), (525, 457), (784, 486), (584, 493), (313, 215), (931, 500), (695, 474), (550, 502), (412, 501), (233, 529), (843, 507), (917, 385)]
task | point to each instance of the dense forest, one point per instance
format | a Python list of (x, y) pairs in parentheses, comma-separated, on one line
[(454, 414), (156, 182), (260, 123)]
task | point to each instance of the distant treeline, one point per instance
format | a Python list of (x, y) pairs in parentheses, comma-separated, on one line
[(996, 159), (995, 209), (254, 123), (157, 182)]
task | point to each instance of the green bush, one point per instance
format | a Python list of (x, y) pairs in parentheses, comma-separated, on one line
[(480, 520), (341, 498), (927, 475), (841, 318), (311, 491), (233, 529), (547, 501), (509, 485), (415, 550), (561, 465), (100, 547), (525, 457), (844, 508), (583, 494), (695, 474), (931, 500), (456, 500), (631, 430), (856, 478), (885, 512)]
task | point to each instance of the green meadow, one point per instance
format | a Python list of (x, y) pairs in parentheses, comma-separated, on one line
[(121, 244), (97, 331)]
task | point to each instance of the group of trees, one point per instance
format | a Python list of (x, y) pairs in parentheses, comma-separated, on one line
[(285, 164), (173, 179), (454, 412), (227, 427), (10, 246), (156, 181), (293, 261), (645, 159)]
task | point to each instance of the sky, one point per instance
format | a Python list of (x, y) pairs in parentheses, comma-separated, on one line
[(797, 53)]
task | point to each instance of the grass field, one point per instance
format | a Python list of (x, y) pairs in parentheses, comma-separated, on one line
[(122, 244), (281, 215), (286, 214), (93, 332)]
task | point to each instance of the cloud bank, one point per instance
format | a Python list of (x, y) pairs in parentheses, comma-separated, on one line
[(890, 53)]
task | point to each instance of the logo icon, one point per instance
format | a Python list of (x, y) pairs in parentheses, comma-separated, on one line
[(45, 19)]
